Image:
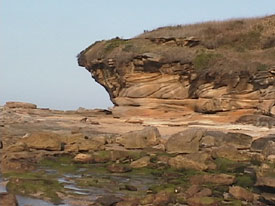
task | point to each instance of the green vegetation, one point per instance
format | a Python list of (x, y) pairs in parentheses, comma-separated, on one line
[(62, 164), (35, 185), (205, 59), (245, 180), (113, 43), (225, 165)]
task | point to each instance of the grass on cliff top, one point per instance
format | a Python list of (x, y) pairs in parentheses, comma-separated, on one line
[(237, 44)]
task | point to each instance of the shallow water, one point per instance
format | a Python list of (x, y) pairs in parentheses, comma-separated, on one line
[(105, 183)]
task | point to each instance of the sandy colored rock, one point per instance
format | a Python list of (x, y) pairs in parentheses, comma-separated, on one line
[(265, 181), (142, 162), (23, 105), (162, 198), (195, 161), (241, 194), (185, 142), (147, 137), (17, 147), (83, 158), (43, 141), (90, 145), (229, 152)]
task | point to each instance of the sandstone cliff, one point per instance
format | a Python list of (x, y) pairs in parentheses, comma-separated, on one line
[(207, 68)]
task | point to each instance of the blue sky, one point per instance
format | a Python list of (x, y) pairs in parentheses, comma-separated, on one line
[(39, 41)]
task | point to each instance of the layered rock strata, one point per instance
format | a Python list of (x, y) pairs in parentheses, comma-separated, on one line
[(165, 70)]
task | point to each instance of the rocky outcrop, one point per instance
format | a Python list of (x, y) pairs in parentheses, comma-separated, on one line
[(155, 75)]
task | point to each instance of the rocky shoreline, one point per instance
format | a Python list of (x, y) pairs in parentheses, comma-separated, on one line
[(90, 157)]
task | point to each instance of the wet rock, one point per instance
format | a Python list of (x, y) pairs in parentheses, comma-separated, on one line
[(230, 153), (118, 168), (220, 179), (241, 194), (130, 187), (147, 137), (23, 105), (187, 141), (83, 158), (43, 141), (142, 162), (8, 199), (195, 161), (108, 200), (202, 201)]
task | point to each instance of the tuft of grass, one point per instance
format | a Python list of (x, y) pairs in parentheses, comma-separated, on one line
[(245, 180), (205, 59), (113, 43)]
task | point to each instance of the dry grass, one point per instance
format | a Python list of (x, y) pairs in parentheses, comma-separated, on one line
[(250, 33), (233, 45)]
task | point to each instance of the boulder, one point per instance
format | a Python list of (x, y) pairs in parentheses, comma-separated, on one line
[(258, 145), (44, 141), (108, 200), (232, 139), (142, 162), (162, 198), (241, 194), (83, 158), (23, 105), (147, 137), (90, 145), (195, 161), (238, 140), (230, 153), (118, 168), (187, 141), (203, 201), (265, 181)]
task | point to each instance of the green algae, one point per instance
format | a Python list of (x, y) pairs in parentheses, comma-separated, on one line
[(62, 164), (36, 187), (225, 165)]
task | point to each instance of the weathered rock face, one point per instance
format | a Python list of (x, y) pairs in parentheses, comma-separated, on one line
[(148, 83)]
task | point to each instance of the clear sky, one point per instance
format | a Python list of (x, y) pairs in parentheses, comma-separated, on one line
[(40, 39)]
